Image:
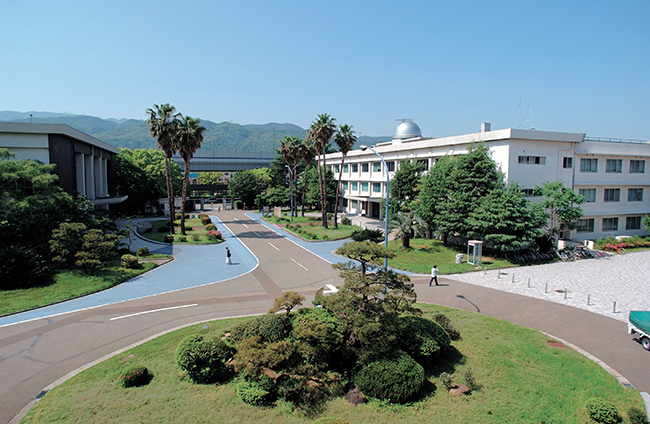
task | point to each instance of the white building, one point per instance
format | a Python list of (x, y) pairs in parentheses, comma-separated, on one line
[(609, 173)]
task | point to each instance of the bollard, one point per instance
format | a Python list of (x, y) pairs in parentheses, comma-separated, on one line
[(484, 270), (614, 308), (565, 292), (528, 282), (546, 288), (498, 273), (513, 277), (588, 299)]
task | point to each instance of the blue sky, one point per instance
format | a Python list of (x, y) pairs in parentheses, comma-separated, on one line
[(448, 65)]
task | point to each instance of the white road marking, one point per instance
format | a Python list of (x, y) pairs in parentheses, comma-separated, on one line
[(332, 289), (299, 264), (154, 310), (244, 225), (273, 246), (235, 218), (257, 234)]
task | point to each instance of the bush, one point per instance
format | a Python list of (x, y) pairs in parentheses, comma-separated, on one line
[(214, 235), (204, 360), (602, 411), (182, 239), (237, 204), (177, 216), (130, 261), (270, 327), (637, 416), (134, 377), (446, 381), (346, 221), (329, 420), (256, 393), (196, 237), (205, 220), (470, 380), (446, 325), (300, 392), (143, 251), (397, 379), (422, 338), (21, 267), (211, 227), (169, 238)]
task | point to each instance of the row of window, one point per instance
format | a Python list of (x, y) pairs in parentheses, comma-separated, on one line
[(354, 186), (614, 166), (612, 194), (365, 167), (609, 224)]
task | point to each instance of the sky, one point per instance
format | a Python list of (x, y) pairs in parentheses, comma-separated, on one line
[(568, 66)]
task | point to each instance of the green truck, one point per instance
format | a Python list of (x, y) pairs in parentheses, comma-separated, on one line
[(639, 323)]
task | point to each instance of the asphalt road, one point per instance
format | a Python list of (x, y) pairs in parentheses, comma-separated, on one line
[(37, 354)]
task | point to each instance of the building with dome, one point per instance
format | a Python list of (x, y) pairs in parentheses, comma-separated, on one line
[(609, 173)]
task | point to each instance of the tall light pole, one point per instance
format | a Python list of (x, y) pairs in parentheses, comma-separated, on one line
[(363, 149), (290, 189)]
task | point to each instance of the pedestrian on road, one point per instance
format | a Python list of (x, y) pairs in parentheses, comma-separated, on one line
[(228, 255), (434, 275)]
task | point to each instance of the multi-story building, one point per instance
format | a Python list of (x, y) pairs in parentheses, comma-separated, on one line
[(85, 165), (611, 174)]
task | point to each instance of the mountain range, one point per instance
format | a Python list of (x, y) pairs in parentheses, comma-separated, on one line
[(134, 133)]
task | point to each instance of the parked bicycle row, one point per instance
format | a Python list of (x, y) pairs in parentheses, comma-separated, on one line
[(568, 254)]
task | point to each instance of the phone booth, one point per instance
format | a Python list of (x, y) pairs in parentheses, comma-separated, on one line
[(474, 252)]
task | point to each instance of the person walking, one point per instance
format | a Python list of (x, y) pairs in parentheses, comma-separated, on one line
[(229, 262), (434, 275)]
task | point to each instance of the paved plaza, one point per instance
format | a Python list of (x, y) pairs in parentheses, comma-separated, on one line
[(623, 279)]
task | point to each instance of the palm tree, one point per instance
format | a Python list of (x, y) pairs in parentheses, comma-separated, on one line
[(190, 137), (345, 139), (163, 126), (321, 131), (308, 154), (407, 226)]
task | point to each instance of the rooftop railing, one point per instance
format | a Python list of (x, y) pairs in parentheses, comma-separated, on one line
[(617, 140)]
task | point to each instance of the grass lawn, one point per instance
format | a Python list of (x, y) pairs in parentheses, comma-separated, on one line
[(310, 228), (196, 232), (523, 378), (425, 253), (67, 285)]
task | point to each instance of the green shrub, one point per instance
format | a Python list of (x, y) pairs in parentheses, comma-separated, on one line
[(130, 261), (346, 221), (204, 360), (259, 392), (447, 381), (211, 227), (470, 380), (169, 238), (177, 216), (314, 218), (300, 392), (134, 377), (196, 237), (329, 420), (446, 325), (422, 338), (602, 411), (637, 416), (188, 228), (143, 251), (270, 327), (289, 227), (237, 204), (397, 379), (214, 235), (205, 220), (314, 236), (182, 239), (21, 267)]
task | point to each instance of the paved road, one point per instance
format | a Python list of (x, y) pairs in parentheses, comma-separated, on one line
[(40, 352)]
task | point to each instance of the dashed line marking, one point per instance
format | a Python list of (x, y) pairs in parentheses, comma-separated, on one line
[(299, 264), (154, 310), (274, 246), (257, 234)]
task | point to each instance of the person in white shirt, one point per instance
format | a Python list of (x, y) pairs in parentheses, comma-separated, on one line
[(434, 275)]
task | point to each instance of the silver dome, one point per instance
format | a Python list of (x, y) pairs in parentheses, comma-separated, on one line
[(407, 129)]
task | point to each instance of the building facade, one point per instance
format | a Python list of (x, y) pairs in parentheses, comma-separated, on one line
[(84, 164), (611, 174)]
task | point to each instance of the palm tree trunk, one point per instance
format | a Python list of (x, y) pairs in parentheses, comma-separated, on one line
[(186, 176), (170, 194), (320, 186)]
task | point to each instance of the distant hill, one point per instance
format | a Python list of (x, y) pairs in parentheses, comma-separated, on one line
[(134, 133)]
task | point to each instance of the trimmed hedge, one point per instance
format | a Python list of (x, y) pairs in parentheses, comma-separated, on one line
[(602, 411), (269, 327), (397, 379), (130, 261), (204, 360), (423, 338), (143, 251), (134, 377), (256, 393)]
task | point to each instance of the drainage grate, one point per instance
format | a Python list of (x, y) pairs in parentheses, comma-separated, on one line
[(40, 395)]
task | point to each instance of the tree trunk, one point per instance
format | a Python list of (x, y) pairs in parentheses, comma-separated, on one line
[(186, 176), (170, 194), (323, 190), (304, 190)]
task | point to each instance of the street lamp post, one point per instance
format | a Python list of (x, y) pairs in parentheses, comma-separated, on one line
[(363, 148), (290, 189)]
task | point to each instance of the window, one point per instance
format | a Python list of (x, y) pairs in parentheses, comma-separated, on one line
[(425, 162), (364, 167), (612, 195), (585, 225), (345, 168), (355, 186), (633, 223), (336, 169), (610, 224), (588, 165), (345, 185), (589, 193), (635, 195), (567, 162), (364, 187), (354, 204), (355, 167), (376, 187), (637, 167), (613, 165), (376, 167), (391, 166), (345, 202), (532, 160), (528, 192)]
